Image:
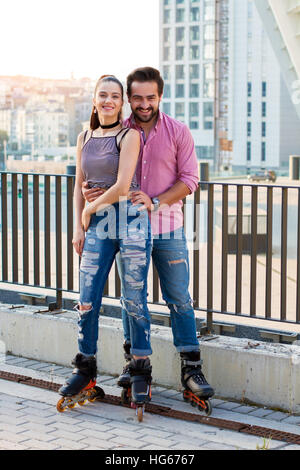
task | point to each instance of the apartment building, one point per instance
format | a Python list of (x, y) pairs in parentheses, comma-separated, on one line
[(187, 61), (224, 80)]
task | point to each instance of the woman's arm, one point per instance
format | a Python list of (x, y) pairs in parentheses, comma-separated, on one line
[(127, 164), (79, 201)]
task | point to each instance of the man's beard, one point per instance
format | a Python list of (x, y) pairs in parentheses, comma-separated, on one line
[(144, 118)]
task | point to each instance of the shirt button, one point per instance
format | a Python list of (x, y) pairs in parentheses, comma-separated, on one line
[(144, 177), (145, 161)]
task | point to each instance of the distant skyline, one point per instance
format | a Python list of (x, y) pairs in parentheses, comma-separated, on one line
[(87, 39)]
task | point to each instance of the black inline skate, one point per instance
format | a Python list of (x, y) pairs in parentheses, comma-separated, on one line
[(139, 392), (81, 386), (196, 389), (124, 378)]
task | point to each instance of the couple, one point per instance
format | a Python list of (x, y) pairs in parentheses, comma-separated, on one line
[(140, 166)]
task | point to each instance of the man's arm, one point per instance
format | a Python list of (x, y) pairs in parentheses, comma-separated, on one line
[(187, 175), (176, 193)]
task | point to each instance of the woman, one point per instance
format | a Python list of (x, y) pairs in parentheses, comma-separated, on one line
[(107, 156)]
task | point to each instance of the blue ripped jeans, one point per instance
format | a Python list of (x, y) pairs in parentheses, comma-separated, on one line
[(170, 257), (122, 229)]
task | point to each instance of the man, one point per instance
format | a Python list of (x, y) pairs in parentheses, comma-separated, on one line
[(167, 172)]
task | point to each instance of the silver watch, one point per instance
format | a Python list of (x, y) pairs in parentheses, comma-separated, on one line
[(156, 203)]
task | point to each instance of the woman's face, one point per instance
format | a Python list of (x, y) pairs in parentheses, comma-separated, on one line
[(108, 101)]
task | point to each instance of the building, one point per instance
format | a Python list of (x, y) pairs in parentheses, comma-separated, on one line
[(50, 129), (264, 125), (282, 23), (187, 62), (224, 80)]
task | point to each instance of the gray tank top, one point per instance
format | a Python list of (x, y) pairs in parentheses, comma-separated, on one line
[(100, 160)]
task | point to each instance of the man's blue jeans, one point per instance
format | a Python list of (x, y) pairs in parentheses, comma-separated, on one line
[(170, 257), (118, 228)]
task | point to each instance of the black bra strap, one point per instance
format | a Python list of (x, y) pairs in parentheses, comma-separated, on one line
[(122, 137)]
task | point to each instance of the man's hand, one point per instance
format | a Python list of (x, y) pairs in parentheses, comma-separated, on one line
[(90, 194), (85, 219), (139, 197)]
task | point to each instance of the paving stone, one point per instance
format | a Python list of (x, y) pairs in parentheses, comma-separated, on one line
[(123, 441)]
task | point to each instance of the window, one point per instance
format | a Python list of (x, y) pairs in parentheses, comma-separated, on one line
[(249, 89), (166, 34), (249, 127), (249, 109), (180, 15), (205, 152), (166, 54), (194, 71), (194, 109), (208, 115), (264, 109), (263, 129), (248, 151), (179, 111), (179, 53), (209, 11), (167, 16), (180, 34), (194, 33), (166, 72), (167, 108), (263, 151), (209, 51), (209, 32), (208, 81), (194, 125), (167, 91), (264, 89), (180, 72), (194, 14), (194, 52), (179, 90), (194, 90)]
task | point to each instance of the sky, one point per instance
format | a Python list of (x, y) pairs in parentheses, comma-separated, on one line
[(86, 38)]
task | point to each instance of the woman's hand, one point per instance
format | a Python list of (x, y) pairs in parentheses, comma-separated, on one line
[(78, 241), (85, 219)]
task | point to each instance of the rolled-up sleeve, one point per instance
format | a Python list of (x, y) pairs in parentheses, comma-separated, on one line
[(187, 164)]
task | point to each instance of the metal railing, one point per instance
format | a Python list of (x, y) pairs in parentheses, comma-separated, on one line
[(244, 242)]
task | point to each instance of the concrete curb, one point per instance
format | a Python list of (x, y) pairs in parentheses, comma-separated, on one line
[(238, 368)]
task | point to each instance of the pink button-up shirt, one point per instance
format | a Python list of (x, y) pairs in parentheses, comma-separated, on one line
[(167, 156)]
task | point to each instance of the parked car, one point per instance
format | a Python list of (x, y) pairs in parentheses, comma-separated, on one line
[(264, 175)]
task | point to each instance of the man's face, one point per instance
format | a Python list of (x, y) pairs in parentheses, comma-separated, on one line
[(144, 101)]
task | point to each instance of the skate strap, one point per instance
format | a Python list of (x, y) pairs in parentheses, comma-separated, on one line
[(185, 362), (79, 372), (141, 378)]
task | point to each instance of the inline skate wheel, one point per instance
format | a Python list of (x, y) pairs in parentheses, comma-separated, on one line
[(208, 409), (59, 405), (100, 392)]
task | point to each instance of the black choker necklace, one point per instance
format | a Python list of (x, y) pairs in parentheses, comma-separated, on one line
[(110, 125)]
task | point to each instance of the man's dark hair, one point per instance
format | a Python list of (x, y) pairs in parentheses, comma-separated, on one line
[(145, 74)]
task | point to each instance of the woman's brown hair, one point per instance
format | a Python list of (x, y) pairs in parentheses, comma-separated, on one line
[(94, 119)]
